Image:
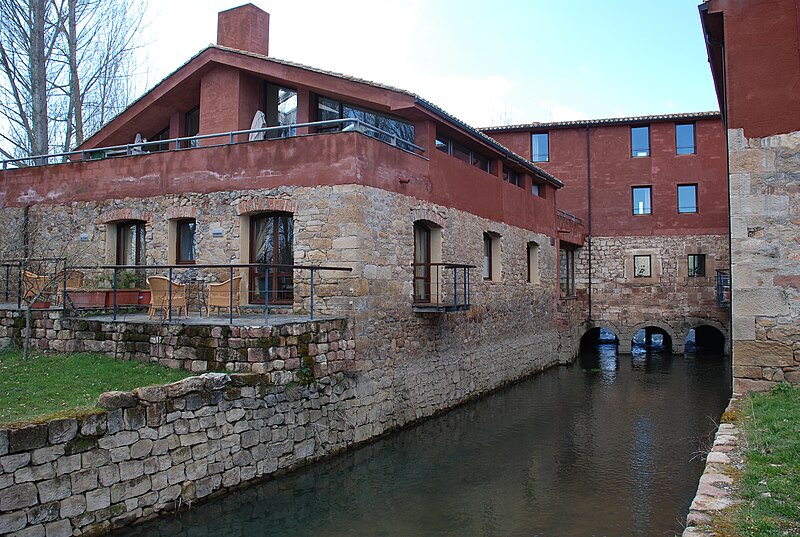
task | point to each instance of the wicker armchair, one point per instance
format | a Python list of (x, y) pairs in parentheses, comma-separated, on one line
[(219, 295), (160, 299)]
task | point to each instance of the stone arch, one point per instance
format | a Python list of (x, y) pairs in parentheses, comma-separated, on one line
[(265, 204), (588, 330), (427, 214), (718, 337), (120, 215), (185, 211), (676, 346)]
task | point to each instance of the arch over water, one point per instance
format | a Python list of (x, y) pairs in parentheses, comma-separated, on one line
[(707, 338), (654, 334), (596, 335)]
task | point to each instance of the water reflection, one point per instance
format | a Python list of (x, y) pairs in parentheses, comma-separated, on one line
[(602, 448)]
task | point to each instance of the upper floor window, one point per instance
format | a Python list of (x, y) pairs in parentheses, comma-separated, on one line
[(185, 241), (163, 135), (697, 265), (684, 138), (541, 147), (463, 153), (399, 131), (192, 126), (640, 141), (641, 200), (513, 177), (130, 242), (281, 109), (687, 198)]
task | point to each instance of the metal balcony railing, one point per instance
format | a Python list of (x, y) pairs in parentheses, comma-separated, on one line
[(724, 288), (228, 138), (440, 287)]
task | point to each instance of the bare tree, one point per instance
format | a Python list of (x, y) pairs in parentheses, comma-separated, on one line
[(66, 68)]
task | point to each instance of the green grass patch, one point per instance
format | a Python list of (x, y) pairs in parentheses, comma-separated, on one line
[(771, 480), (65, 385)]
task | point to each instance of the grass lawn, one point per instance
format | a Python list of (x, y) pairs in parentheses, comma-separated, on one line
[(68, 384), (771, 479)]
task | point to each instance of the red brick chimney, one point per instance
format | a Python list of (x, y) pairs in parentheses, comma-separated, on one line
[(245, 28)]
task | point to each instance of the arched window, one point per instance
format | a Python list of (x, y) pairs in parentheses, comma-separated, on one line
[(271, 239), (130, 242), (492, 269)]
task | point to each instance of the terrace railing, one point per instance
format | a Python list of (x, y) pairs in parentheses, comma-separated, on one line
[(227, 138), (440, 287), (186, 274), (33, 278)]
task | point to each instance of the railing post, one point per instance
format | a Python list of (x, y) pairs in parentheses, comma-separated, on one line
[(115, 293), (466, 297), (8, 280), (230, 297), (232, 141), (455, 288), (169, 284), (19, 286), (312, 294)]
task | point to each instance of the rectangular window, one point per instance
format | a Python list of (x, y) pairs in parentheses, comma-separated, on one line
[(130, 243), (281, 109), (536, 189), (391, 130), (567, 271), (163, 135), (442, 144), (684, 138), (687, 198), (185, 246), (697, 265), (641, 200), (192, 126), (640, 141), (463, 153), (541, 147), (513, 177), (487, 256), (641, 266)]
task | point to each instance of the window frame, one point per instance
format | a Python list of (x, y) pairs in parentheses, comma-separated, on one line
[(701, 273), (178, 223), (633, 151), (649, 266), (139, 250), (694, 138), (566, 277), (696, 207), (487, 257), (546, 158), (533, 262), (649, 208), (188, 123), (513, 177), (468, 156)]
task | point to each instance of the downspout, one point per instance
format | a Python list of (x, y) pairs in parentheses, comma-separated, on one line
[(589, 190)]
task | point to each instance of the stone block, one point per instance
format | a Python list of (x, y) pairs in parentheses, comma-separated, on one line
[(73, 506), (767, 302), (59, 528), (54, 489), (141, 449), (130, 470), (84, 480), (151, 394), (60, 431), (35, 473), (93, 424), (762, 353), (46, 454), (68, 464), (43, 513), (743, 386), (116, 399), (12, 522), (95, 458), (134, 417), (97, 499), (27, 438), (4, 446), (10, 463), (18, 496)]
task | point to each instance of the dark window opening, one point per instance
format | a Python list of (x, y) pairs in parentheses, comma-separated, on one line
[(271, 240), (422, 260), (513, 177), (281, 109), (185, 241), (487, 256), (162, 135), (640, 141), (567, 271), (130, 242), (697, 265), (192, 127), (463, 153)]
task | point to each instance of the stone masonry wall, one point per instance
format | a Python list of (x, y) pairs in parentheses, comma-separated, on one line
[(315, 347), (157, 448), (765, 250), (669, 299)]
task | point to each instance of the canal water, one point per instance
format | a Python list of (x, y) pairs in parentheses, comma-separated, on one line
[(610, 446)]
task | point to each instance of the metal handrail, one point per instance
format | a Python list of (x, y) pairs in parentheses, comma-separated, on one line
[(569, 216), (138, 148), (229, 266), (465, 286)]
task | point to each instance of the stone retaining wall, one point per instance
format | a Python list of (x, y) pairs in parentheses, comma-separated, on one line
[(316, 347), (159, 447)]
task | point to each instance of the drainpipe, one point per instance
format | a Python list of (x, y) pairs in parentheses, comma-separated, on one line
[(589, 191)]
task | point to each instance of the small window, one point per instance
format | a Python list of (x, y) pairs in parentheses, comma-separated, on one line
[(640, 141), (684, 138), (641, 266), (479, 161), (567, 271), (541, 147), (487, 256), (533, 262), (641, 200), (687, 198), (461, 153), (513, 177), (192, 121), (442, 144), (697, 265), (186, 242)]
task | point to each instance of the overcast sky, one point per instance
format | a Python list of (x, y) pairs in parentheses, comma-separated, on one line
[(486, 62)]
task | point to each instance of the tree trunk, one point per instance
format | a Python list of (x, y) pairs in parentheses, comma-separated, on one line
[(76, 105), (38, 79)]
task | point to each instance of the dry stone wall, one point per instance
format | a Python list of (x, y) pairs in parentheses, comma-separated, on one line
[(765, 250)]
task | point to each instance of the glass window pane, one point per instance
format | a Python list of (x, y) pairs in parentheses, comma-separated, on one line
[(697, 265), (186, 241), (641, 200), (541, 149), (328, 109), (640, 141), (687, 198), (684, 138), (641, 266), (487, 257), (461, 153)]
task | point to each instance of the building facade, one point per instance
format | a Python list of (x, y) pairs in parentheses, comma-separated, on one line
[(753, 53), (650, 192)]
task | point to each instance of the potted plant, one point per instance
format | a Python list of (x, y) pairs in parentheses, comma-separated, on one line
[(129, 290)]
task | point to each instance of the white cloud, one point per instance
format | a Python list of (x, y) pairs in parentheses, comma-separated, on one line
[(555, 111)]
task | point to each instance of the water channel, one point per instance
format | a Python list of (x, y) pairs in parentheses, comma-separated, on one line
[(610, 446)]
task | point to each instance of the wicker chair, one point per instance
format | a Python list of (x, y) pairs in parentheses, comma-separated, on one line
[(219, 295), (159, 296), (34, 286)]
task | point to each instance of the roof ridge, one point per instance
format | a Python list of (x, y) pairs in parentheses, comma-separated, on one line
[(604, 121)]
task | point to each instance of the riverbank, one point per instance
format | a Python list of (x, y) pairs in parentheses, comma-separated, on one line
[(751, 484)]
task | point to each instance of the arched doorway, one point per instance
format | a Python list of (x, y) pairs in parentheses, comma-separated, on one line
[(651, 338), (707, 339)]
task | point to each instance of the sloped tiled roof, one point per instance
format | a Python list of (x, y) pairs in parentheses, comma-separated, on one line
[(606, 121)]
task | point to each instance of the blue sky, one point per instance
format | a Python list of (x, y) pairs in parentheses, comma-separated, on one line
[(487, 62)]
